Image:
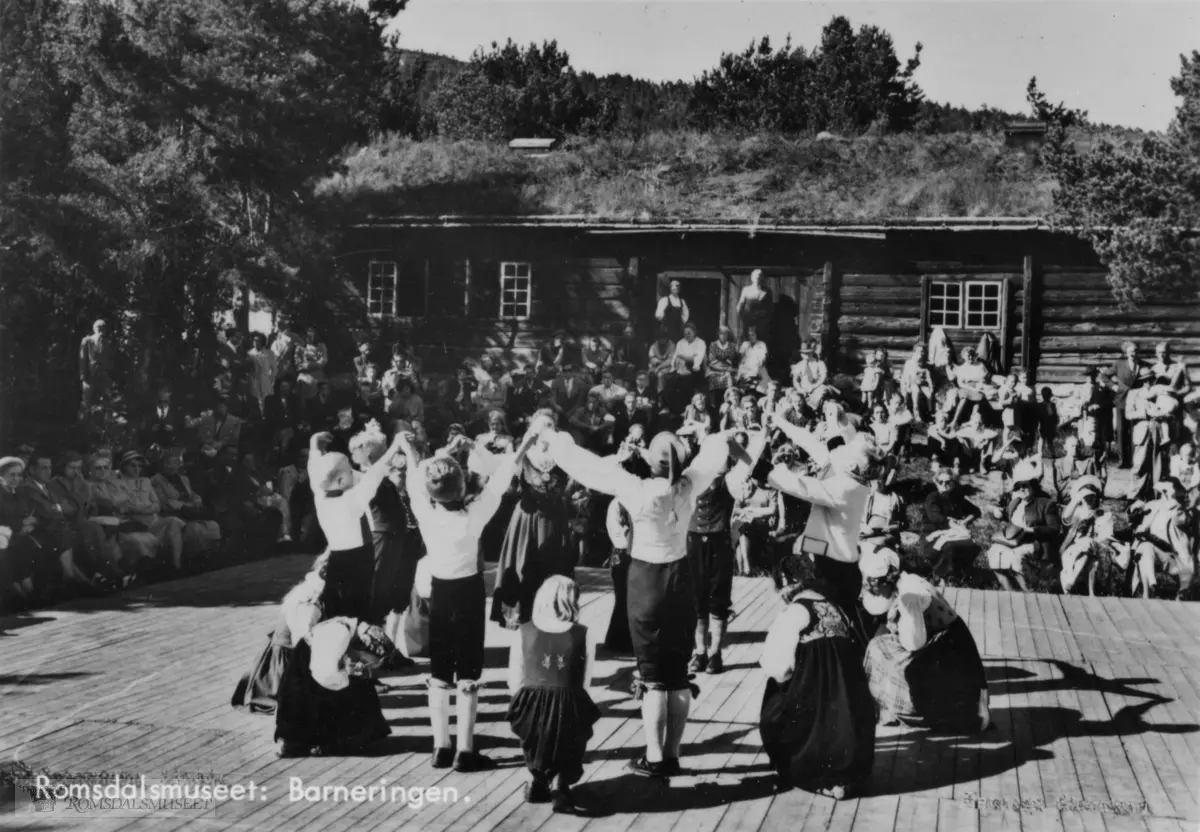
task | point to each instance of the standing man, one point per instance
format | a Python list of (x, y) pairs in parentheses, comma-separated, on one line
[(672, 312), (1128, 374), (97, 358), (756, 307)]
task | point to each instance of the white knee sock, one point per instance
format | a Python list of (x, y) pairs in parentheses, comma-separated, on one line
[(439, 715), (717, 628), (701, 637), (654, 723), (466, 705), (679, 702)]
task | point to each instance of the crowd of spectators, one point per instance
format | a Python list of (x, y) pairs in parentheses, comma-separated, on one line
[(222, 478)]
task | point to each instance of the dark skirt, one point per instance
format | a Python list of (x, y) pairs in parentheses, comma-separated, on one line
[(258, 691), (617, 638), (662, 621), (349, 575), (316, 717), (818, 728), (412, 550), (554, 726), (534, 548), (389, 559), (938, 686)]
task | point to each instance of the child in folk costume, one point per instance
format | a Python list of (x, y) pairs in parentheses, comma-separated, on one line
[(327, 703), (549, 671), (871, 381), (662, 614), (452, 526), (341, 505)]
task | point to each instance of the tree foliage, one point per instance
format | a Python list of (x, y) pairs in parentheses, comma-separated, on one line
[(158, 157), (852, 82), (1139, 206), (1057, 114), (512, 91)]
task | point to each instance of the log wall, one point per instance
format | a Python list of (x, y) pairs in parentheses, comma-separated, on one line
[(1082, 325)]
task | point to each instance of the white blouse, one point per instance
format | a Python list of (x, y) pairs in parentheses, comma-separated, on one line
[(660, 510), (341, 516)]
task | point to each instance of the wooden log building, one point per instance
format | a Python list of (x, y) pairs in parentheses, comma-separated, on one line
[(459, 286)]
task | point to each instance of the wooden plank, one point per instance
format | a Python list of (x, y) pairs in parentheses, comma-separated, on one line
[(910, 281), (954, 816)]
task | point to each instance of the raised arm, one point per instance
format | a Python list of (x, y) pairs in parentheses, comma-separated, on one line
[(597, 473), (804, 439), (709, 463), (815, 491)]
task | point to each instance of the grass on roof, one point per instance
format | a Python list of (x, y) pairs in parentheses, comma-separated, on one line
[(702, 176)]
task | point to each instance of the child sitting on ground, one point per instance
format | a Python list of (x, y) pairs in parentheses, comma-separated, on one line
[(549, 672)]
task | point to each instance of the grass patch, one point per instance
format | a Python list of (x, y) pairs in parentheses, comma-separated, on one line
[(705, 176)]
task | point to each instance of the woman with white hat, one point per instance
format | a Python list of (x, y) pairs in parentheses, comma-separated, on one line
[(923, 666), (1032, 527), (661, 604), (1090, 533)]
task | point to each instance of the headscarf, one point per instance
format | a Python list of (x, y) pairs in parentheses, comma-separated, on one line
[(666, 456)]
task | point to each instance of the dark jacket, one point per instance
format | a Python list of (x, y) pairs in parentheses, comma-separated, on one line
[(163, 431)]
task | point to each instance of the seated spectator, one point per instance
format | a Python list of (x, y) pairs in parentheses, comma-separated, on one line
[(769, 401), (687, 378), (31, 568), (872, 379), (1162, 539), (113, 501), (311, 356), (218, 427), (321, 409), (498, 439), (1032, 529), (101, 552), (406, 403), (886, 511), (1072, 465), (722, 363), (752, 362), (886, 437), (176, 498), (162, 423), (810, 376), (568, 393), (368, 406), (837, 427), (730, 414), (596, 358), (916, 384), (608, 390), (697, 421), (144, 508), (522, 400), (944, 447), (1090, 536), (629, 352), (978, 443), (945, 529), (79, 564), (403, 368), (592, 426), (648, 405), (282, 414), (1184, 468), (550, 357), (362, 361), (344, 428), (755, 519), (973, 385), (242, 404), (661, 361)]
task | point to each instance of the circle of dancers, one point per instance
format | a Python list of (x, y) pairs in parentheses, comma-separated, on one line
[(858, 642)]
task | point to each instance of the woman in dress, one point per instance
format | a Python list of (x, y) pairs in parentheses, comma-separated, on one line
[(945, 536), (263, 366), (326, 704), (923, 666), (661, 361), (973, 383), (722, 363), (143, 507), (916, 383), (752, 362), (536, 543), (818, 718), (110, 501), (201, 533)]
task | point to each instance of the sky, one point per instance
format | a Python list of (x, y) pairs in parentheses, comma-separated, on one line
[(1113, 59)]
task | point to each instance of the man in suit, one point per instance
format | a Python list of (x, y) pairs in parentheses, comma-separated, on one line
[(522, 401), (221, 428), (162, 424), (322, 409), (97, 358), (567, 392), (1129, 373)]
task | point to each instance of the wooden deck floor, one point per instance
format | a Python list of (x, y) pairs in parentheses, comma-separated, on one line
[(1095, 701)]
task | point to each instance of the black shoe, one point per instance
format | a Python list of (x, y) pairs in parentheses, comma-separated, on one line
[(398, 661), (537, 791), (442, 758), (468, 761), (646, 768), (292, 750), (716, 664), (671, 767), (698, 663), (564, 803)]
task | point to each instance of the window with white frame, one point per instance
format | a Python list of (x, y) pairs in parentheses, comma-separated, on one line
[(973, 304), (516, 291), (382, 279)]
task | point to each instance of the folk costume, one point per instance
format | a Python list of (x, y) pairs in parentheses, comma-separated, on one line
[(662, 613), (923, 665)]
